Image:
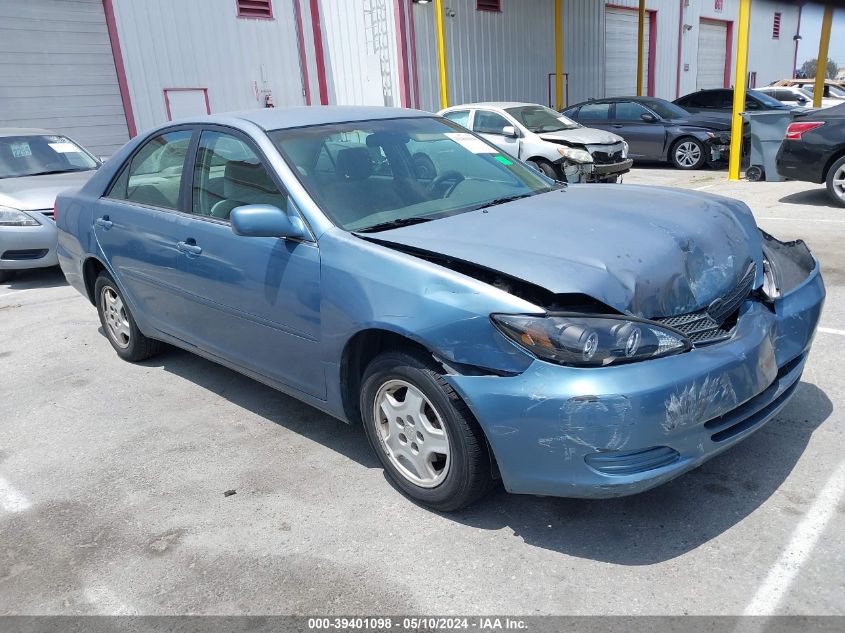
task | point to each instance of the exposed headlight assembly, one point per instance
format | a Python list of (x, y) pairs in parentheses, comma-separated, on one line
[(13, 217), (575, 155), (590, 341)]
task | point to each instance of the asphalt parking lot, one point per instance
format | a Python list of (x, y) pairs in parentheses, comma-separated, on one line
[(112, 481)]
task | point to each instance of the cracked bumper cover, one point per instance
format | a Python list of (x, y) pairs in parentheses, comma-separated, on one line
[(562, 431)]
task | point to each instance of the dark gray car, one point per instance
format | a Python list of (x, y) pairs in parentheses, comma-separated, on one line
[(656, 129), (718, 103)]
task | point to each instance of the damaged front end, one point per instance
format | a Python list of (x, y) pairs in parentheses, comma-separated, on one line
[(567, 427), (593, 163), (718, 146)]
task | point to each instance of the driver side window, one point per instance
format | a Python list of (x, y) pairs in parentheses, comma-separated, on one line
[(488, 122)]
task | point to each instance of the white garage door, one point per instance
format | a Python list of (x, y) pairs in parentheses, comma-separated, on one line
[(620, 74), (57, 71), (712, 39)]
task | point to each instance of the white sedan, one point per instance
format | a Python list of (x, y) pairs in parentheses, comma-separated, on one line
[(557, 146)]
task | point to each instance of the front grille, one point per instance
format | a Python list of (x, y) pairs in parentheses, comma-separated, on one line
[(31, 253), (606, 154), (714, 323)]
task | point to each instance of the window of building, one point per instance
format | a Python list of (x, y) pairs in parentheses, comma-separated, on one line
[(489, 5), (154, 176), (229, 174), (776, 26), (255, 9)]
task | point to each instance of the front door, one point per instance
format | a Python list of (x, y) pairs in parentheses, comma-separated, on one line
[(490, 125), (254, 301), (645, 139)]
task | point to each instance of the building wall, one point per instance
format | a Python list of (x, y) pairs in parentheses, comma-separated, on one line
[(772, 59), (57, 71), (503, 56), (203, 44)]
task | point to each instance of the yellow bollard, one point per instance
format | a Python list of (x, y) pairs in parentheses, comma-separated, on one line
[(741, 74), (441, 54), (821, 65)]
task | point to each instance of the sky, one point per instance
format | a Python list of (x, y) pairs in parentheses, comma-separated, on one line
[(811, 28)]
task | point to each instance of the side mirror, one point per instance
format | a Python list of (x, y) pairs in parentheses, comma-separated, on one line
[(510, 131), (648, 118), (265, 220)]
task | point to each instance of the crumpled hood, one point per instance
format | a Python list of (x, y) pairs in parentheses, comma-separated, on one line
[(645, 251), (582, 136), (705, 122), (35, 193)]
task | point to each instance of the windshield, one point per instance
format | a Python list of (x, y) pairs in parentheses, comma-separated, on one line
[(33, 155), (369, 174), (767, 100), (541, 119), (666, 109)]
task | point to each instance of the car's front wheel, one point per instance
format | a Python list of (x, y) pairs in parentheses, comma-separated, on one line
[(688, 153), (547, 169), (119, 325), (836, 182), (423, 433)]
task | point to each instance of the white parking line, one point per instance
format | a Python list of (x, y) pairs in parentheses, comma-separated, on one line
[(11, 500), (830, 330), (804, 539), (702, 188)]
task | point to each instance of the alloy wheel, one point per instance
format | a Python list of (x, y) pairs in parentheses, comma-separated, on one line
[(839, 183), (114, 315), (411, 433), (687, 153)]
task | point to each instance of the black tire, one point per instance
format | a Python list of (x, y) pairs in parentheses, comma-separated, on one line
[(837, 195), (693, 143), (6, 275), (137, 347), (545, 168), (469, 475)]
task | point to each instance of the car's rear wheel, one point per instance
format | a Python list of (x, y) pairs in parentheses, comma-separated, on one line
[(423, 433), (119, 325), (688, 153), (836, 182), (545, 168)]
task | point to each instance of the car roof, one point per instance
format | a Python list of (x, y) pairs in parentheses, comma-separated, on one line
[(501, 105), (642, 99), (25, 131), (302, 116)]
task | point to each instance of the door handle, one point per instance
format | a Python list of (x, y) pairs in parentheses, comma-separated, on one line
[(104, 222), (617, 125), (190, 247)]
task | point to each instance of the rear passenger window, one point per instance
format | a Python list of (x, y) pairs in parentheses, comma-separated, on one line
[(154, 175), (594, 112), (229, 174)]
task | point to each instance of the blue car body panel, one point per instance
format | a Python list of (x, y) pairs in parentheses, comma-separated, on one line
[(284, 311)]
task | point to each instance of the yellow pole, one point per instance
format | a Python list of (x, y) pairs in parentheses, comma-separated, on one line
[(441, 54), (741, 74), (558, 55), (821, 62), (640, 57)]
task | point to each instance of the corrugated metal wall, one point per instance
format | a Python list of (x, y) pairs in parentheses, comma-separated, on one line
[(203, 44), (583, 48), (57, 71), (359, 44), (492, 56)]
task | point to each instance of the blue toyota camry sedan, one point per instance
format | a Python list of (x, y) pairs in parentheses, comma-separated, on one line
[(481, 321)]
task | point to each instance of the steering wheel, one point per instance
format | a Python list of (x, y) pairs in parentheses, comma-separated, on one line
[(447, 181)]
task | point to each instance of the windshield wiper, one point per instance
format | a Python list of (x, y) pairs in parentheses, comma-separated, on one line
[(393, 224), (56, 171), (503, 200)]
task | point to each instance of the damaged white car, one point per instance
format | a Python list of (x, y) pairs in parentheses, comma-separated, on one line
[(550, 142)]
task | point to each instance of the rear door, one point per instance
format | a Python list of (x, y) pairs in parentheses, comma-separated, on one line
[(490, 125), (137, 228), (645, 140), (598, 115), (254, 301)]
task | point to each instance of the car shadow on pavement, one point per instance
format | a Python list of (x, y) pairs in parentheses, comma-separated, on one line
[(37, 278), (676, 517), (271, 404), (815, 197)]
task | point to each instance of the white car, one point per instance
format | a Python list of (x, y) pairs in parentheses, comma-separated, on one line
[(795, 95), (557, 146)]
